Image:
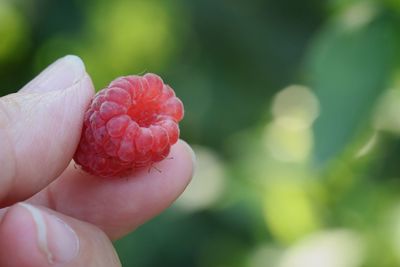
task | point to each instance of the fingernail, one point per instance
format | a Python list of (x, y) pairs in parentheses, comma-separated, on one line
[(60, 75), (56, 240)]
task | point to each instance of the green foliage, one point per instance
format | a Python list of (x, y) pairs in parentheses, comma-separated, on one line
[(348, 74)]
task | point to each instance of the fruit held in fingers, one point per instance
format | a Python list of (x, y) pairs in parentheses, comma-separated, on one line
[(130, 124)]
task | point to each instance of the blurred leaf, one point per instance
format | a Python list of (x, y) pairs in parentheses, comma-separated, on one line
[(13, 31), (349, 68)]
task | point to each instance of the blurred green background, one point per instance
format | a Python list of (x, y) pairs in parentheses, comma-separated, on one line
[(293, 108)]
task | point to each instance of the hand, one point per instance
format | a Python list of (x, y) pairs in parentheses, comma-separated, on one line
[(68, 217)]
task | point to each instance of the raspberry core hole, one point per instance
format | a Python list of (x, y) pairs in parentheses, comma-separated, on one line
[(144, 113)]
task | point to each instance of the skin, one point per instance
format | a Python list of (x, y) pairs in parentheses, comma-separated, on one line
[(52, 213)]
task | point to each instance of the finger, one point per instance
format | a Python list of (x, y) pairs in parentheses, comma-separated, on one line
[(40, 128), (119, 205), (37, 237)]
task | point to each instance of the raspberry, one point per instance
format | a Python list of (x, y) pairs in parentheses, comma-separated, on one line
[(130, 124)]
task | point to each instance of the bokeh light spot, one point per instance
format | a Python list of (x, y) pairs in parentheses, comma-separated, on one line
[(335, 248), (288, 210), (387, 112), (358, 15), (295, 107), (264, 256), (288, 144), (207, 184)]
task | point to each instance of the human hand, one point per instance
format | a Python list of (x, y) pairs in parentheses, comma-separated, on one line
[(68, 217)]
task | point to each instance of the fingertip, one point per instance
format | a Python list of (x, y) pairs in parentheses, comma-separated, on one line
[(174, 173), (191, 153), (177, 170), (60, 75), (83, 91)]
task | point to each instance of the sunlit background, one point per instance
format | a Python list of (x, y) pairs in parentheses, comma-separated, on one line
[(293, 109)]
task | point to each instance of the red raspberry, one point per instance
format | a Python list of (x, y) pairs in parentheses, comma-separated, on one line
[(130, 124)]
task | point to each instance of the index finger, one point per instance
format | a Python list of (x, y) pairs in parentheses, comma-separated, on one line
[(118, 205)]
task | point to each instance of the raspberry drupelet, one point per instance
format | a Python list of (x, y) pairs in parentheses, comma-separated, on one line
[(130, 124)]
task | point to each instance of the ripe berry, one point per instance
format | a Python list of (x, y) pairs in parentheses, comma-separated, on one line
[(130, 124)]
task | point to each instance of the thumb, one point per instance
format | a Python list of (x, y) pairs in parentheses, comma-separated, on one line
[(60, 75), (40, 128)]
